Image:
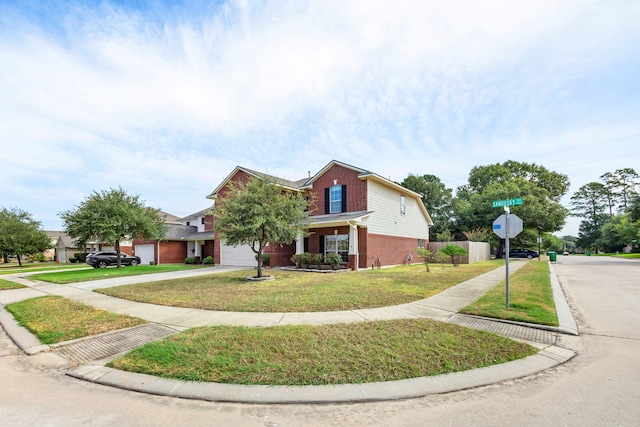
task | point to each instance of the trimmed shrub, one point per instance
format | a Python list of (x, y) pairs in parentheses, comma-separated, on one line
[(305, 259), (80, 256), (190, 260), (209, 260), (317, 259), (73, 260), (297, 260), (334, 260)]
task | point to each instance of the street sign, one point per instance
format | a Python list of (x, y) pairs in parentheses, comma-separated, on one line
[(500, 226), (508, 202)]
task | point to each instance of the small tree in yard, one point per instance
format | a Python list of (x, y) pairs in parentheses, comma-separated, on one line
[(110, 216), (20, 235), (424, 254), (258, 212), (454, 251), (440, 258)]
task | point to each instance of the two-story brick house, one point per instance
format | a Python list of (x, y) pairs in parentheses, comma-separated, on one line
[(365, 218)]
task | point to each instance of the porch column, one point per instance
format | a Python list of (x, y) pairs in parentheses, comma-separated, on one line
[(300, 244), (353, 246)]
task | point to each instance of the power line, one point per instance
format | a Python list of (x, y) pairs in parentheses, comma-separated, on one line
[(584, 146), (568, 149)]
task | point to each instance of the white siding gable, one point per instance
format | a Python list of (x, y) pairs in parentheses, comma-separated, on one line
[(387, 218)]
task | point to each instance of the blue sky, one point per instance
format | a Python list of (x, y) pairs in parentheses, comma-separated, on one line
[(165, 98)]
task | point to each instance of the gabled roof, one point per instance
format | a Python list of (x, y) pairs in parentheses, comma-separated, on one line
[(187, 232), (292, 185), (307, 183), (332, 163), (167, 217), (62, 239), (198, 214)]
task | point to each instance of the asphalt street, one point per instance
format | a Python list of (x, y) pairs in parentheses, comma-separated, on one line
[(599, 386)]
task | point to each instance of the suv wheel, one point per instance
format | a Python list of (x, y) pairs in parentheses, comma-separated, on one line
[(133, 263), (102, 264)]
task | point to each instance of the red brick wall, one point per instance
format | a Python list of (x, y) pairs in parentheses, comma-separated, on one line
[(356, 189), (362, 247), (208, 223), (173, 252), (390, 250), (280, 254)]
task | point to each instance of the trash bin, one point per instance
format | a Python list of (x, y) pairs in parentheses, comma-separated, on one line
[(552, 256), (588, 253)]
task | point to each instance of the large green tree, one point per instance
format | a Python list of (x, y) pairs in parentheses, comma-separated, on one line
[(590, 203), (621, 185), (20, 234), (436, 197), (257, 212), (539, 188), (112, 216), (620, 231)]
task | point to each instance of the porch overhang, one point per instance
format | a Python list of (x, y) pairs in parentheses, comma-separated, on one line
[(335, 220)]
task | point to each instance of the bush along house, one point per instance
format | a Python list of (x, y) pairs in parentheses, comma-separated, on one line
[(366, 219)]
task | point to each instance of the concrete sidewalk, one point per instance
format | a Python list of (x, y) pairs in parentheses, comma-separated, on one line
[(442, 307)]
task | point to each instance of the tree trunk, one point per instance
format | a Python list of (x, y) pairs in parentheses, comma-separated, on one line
[(118, 261), (19, 260), (260, 249)]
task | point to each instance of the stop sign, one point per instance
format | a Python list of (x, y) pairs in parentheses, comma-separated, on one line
[(514, 226)]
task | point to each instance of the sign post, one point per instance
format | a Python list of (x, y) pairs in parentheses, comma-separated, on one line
[(507, 226)]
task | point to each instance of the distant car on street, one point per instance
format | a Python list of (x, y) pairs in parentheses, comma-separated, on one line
[(523, 253), (106, 258), (565, 253)]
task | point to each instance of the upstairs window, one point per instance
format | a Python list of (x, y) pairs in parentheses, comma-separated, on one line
[(403, 205), (335, 199)]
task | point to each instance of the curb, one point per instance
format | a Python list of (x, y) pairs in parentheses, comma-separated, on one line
[(20, 335), (344, 393)]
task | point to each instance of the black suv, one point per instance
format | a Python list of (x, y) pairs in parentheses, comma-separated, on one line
[(107, 258), (523, 253)]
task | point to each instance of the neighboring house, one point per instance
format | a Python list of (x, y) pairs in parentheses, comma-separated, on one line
[(365, 218), (186, 237), (65, 247)]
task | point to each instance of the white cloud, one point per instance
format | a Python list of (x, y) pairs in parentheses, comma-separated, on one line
[(166, 100)]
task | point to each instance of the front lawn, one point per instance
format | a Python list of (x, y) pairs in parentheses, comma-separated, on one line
[(14, 268), (530, 298), (55, 319), (330, 354), (73, 276), (294, 291), (6, 284)]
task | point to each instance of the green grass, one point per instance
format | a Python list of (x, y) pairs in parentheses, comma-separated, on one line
[(13, 267), (314, 355), (6, 284), (293, 291), (619, 255), (74, 276), (55, 319), (530, 298)]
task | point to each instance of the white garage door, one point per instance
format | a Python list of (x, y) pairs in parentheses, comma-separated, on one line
[(145, 252), (238, 255)]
